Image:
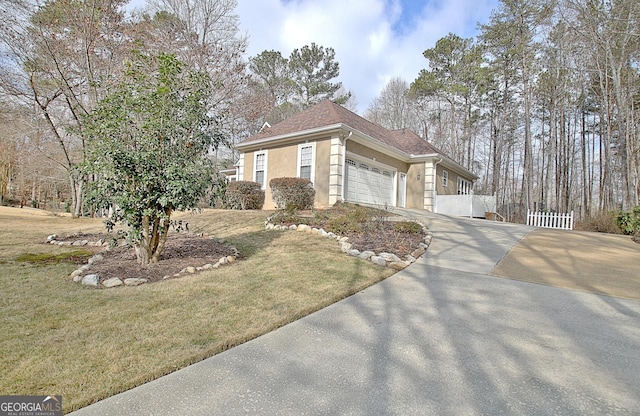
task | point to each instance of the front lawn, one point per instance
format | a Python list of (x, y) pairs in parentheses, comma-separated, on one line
[(59, 337)]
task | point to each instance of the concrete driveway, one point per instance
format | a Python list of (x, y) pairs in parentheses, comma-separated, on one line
[(442, 337)]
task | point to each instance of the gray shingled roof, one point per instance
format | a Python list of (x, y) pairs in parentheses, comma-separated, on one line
[(327, 113)]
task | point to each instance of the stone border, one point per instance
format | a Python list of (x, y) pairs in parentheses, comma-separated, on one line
[(77, 243), (381, 259), (82, 275)]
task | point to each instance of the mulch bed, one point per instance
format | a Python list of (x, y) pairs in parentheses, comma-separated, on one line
[(386, 240), (181, 251)]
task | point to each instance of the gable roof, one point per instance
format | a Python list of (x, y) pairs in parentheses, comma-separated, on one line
[(329, 115)]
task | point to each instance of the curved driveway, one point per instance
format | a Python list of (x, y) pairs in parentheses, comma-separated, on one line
[(442, 337)]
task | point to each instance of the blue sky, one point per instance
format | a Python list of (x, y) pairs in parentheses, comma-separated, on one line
[(374, 40)]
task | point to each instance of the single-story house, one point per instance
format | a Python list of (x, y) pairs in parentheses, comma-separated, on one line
[(348, 158)]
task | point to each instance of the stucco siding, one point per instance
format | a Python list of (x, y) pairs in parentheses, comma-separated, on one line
[(368, 153), (415, 186), (323, 170), (452, 182), (282, 161)]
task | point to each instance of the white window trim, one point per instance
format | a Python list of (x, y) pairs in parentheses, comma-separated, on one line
[(313, 159), (464, 186), (445, 178), (266, 162)]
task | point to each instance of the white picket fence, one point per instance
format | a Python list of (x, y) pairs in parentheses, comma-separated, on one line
[(550, 220)]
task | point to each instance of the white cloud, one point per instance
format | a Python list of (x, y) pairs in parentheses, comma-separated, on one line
[(374, 40)]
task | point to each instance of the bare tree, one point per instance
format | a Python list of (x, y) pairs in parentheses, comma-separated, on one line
[(60, 55)]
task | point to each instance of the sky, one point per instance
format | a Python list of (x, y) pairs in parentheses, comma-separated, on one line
[(374, 40)]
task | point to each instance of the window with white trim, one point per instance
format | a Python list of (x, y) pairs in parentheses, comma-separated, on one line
[(306, 161), (260, 168), (464, 186), (445, 178)]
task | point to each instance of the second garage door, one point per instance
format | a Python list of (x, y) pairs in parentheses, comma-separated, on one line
[(368, 184)]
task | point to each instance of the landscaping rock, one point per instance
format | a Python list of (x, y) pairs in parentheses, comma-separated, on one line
[(79, 272), (293, 227), (398, 265), (190, 270), (345, 247), (418, 252), (366, 255), (378, 260), (354, 253), (390, 257), (91, 280), (95, 258), (134, 281), (113, 282)]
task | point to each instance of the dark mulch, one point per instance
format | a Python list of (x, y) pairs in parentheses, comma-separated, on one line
[(384, 239), (181, 251)]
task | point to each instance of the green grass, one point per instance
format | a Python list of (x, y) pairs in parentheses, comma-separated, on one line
[(75, 257), (59, 337)]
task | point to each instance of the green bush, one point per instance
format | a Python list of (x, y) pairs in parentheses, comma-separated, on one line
[(292, 193), (244, 195), (629, 222)]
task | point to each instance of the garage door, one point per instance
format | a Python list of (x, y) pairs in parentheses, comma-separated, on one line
[(368, 184)]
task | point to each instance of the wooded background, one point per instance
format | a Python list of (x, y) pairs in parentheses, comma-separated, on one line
[(543, 104)]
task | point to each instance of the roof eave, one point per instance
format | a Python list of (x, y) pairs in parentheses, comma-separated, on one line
[(291, 136), (447, 162)]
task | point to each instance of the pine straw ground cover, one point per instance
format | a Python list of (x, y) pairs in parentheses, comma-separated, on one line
[(59, 337)]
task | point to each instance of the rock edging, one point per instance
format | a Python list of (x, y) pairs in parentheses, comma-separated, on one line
[(84, 276), (381, 259)]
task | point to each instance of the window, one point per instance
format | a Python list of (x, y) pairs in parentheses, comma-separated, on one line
[(464, 187), (306, 158), (445, 178), (260, 168)]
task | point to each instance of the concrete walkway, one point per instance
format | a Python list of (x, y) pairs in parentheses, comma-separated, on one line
[(442, 337)]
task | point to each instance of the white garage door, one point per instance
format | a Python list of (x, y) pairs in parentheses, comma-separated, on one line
[(368, 184)]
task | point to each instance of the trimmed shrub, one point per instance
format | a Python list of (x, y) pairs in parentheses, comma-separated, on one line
[(292, 193), (244, 195)]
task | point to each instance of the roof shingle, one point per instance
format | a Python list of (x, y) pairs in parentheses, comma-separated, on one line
[(327, 113)]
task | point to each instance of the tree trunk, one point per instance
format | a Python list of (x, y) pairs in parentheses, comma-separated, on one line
[(154, 234)]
